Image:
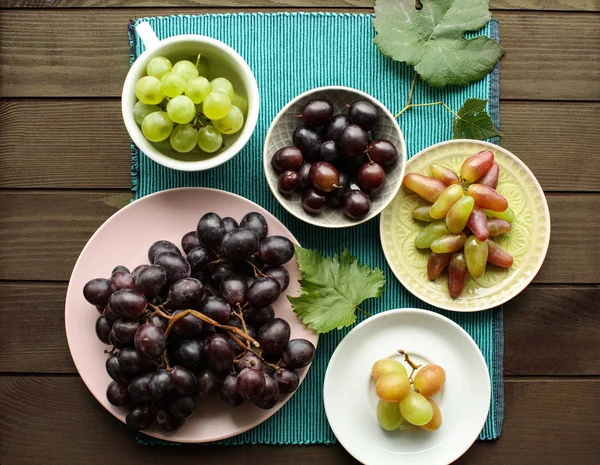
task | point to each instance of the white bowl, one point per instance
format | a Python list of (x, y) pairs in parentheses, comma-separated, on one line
[(223, 62), (280, 135)]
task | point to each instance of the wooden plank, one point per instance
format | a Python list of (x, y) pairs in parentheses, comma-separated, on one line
[(551, 56), (80, 152), (33, 337), (556, 5), (56, 420)]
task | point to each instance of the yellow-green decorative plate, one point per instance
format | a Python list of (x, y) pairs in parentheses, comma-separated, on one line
[(527, 241)]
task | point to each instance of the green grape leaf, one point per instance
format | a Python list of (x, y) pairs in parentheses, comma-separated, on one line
[(473, 122), (432, 39), (332, 288)]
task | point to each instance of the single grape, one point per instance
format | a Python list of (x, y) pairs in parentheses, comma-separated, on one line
[(324, 176), (280, 274), (157, 126), (329, 152), (186, 69), (287, 380), (258, 317), (449, 243), (427, 187), (288, 182), (476, 166), (182, 407), (141, 110), (121, 280), (270, 395), (119, 268), (263, 292), (356, 204), (430, 233), (416, 409), (219, 354), (172, 85), (211, 230), (158, 66), (117, 395), (506, 215), (124, 331), (230, 123), (249, 360), (190, 241), (436, 264), (460, 213), (490, 178), (317, 112), (388, 415), (233, 289), (229, 392), (274, 336), (304, 174), (187, 353), (382, 152), (158, 321), (239, 244), (476, 253), (184, 137), (134, 364), (488, 198), (168, 422), (446, 200), (150, 341), (422, 214), (436, 420), (308, 141), (181, 110), (393, 386), (156, 249), (457, 274), (498, 226), (312, 201), (444, 174), (336, 126), (386, 365), (222, 85), (151, 280), (103, 330), (364, 114), (353, 141), (216, 105), (216, 308), (197, 89), (276, 250), (220, 271), (498, 256), (287, 158), (187, 327), (184, 381), (186, 294), (114, 370), (128, 304), (209, 139), (161, 384), (139, 417), (198, 259), (250, 383), (176, 267), (208, 382), (117, 344), (335, 198), (429, 380), (147, 90), (370, 178), (298, 353), (97, 291), (257, 223)]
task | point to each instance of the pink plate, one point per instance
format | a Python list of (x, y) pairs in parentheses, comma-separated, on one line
[(124, 240)]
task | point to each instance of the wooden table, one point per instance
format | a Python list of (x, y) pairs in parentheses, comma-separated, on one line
[(65, 168)]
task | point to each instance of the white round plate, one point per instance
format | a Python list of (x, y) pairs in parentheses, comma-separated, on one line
[(428, 337)]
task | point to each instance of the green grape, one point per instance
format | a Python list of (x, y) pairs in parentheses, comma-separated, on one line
[(181, 109), (476, 255), (446, 200), (232, 123), (186, 69), (172, 85), (216, 105), (388, 415), (183, 138), (241, 102), (197, 89), (393, 386), (430, 233), (157, 126), (147, 90), (209, 139), (158, 67), (223, 85), (422, 213), (458, 215), (141, 110), (416, 409), (386, 365), (506, 215), (429, 380), (202, 67), (448, 243)]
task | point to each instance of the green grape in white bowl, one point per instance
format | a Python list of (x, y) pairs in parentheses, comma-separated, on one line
[(157, 126), (209, 139), (147, 90), (181, 109), (231, 123), (184, 137), (158, 67)]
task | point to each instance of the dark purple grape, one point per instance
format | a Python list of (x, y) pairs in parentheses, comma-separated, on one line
[(370, 178), (117, 395), (363, 114), (220, 271), (351, 165), (182, 407), (230, 224), (280, 274), (103, 329), (121, 280), (287, 159), (160, 247), (151, 280), (235, 346), (263, 292), (124, 331), (216, 308), (188, 354), (198, 259), (116, 343), (97, 291), (257, 223), (317, 112), (211, 230), (187, 327), (329, 152), (168, 422), (250, 384), (308, 141), (356, 204), (139, 389), (190, 241), (276, 250), (137, 270), (312, 201), (161, 384), (274, 336), (383, 152), (210, 290), (334, 199), (239, 244), (233, 289), (324, 176), (184, 381), (175, 266), (150, 341), (219, 353), (128, 304), (186, 294), (109, 315), (304, 173), (229, 392), (208, 382), (287, 380), (119, 268), (258, 317), (353, 141), (139, 417), (298, 353), (250, 281), (270, 395), (336, 126), (288, 182), (114, 370), (158, 321), (249, 360), (132, 362), (100, 309)]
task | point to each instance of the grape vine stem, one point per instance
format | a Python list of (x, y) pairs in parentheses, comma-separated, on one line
[(241, 317), (412, 364), (250, 349), (409, 103)]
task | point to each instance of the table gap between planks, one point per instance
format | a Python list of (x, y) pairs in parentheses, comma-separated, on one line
[(62, 64)]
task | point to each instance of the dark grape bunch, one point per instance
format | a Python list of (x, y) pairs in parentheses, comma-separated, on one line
[(189, 325), (334, 160)]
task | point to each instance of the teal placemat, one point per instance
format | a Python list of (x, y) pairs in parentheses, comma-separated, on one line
[(290, 53)]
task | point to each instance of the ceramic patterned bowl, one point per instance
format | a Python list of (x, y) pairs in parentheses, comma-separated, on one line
[(280, 135), (527, 241)]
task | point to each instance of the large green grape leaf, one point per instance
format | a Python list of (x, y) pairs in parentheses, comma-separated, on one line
[(432, 39)]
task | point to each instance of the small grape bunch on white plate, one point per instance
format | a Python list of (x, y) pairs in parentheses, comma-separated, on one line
[(177, 102), (405, 400)]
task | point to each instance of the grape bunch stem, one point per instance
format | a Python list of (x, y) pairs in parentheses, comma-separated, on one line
[(409, 103), (412, 364)]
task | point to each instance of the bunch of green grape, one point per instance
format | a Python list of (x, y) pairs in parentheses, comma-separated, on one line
[(404, 400), (463, 215), (178, 102)]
